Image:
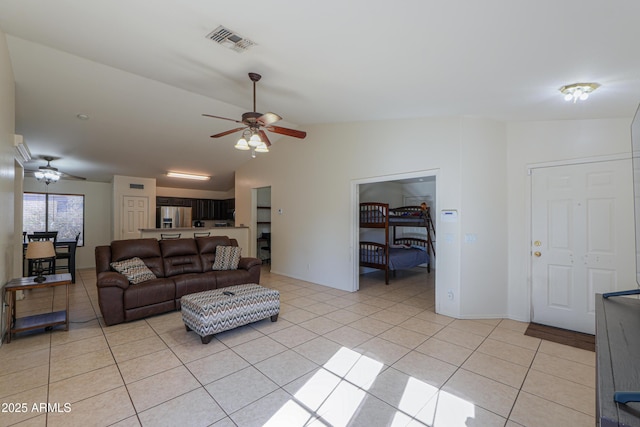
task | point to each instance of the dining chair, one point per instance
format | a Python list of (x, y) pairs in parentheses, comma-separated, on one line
[(167, 236), (65, 255), (202, 234)]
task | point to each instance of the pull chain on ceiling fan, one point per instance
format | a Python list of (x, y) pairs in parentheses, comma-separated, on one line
[(253, 136)]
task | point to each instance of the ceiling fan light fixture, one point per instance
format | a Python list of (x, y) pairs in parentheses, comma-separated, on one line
[(262, 148), (188, 176), (47, 175), (255, 140), (242, 144), (578, 91)]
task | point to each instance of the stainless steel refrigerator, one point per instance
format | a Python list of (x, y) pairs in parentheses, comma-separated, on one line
[(173, 217)]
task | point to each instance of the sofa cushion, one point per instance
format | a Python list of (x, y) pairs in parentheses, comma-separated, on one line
[(134, 269), (149, 293), (180, 256), (207, 248), (148, 250), (227, 258)]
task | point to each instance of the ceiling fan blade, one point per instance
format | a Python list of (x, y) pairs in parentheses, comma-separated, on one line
[(69, 176), (223, 118), (263, 137), (268, 118), (218, 135), (287, 131)]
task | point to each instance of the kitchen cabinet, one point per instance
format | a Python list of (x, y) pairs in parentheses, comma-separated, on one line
[(202, 209)]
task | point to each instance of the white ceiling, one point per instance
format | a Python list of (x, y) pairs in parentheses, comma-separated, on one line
[(144, 71)]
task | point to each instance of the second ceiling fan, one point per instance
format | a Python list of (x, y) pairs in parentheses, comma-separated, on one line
[(255, 124)]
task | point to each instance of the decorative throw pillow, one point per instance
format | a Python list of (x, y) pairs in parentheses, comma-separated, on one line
[(135, 270), (227, 258)]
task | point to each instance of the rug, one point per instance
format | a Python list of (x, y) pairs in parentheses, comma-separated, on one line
[(562, 336)]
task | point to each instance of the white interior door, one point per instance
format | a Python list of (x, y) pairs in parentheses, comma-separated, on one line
[(581, 244), (135, 215)]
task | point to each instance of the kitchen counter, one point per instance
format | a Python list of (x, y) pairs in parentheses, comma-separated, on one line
[(241, 234)]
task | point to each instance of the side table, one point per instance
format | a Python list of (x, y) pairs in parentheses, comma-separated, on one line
[(15, 325)]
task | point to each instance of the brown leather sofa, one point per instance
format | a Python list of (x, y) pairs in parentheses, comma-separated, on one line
[(182, 266)]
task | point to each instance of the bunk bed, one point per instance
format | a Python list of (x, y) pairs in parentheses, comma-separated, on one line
[(396, 253)]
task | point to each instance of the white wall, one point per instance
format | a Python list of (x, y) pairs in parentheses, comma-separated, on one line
[(97, 213), (311, 180), (8, 237), (531, 143)]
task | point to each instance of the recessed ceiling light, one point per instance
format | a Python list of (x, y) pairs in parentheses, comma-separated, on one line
[(188, 176), (82, 116)]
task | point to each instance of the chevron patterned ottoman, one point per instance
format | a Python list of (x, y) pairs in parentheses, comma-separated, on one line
[(209, 312)]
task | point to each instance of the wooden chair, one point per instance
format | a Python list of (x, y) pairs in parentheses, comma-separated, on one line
[(167, 236), (66, 255)]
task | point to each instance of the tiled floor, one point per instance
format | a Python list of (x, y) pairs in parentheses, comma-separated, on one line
[(377, 357)]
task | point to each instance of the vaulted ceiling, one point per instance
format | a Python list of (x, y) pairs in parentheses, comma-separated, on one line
[(144, 72)]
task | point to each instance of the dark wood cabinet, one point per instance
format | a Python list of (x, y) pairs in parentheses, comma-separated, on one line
[(202, 209)]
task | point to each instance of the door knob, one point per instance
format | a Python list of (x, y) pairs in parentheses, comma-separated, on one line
[(537, 253)]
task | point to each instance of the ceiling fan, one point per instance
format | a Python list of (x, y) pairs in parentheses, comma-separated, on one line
[(253, 135), (50, 174)]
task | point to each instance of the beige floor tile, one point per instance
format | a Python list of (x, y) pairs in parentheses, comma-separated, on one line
[(431, 316), (321, 325), (193, 349), (445, 351), (341, 302), (567, 369), (564, 392), (135, 349), (78, 331), (25, 345), (405, 309), (270, 408), (133, 370), (301, 302), (259, 349), (371, 325), (372, 411), (81, 364), (382, 350), (505, 351), (389, 316), (38, 421), (293, 336), (472, 326), (194, 408), (402, 391), (297, 315), (459, 337), (515, 338), (24, 380), (85, 385), (497, 369), (128, 422), (514, 325), (482, 391), (422, 326), (322, 296), (425, 368), (380, 302), (533, 411), (19, 361), (266, 326), (166, 322), (404, 337), (348, 336), (237, 336), (364, 309), (76, 348), (165, 385), (241, 389), (318, 350), (447, 409), (130, 335), (285, 367), (343, 316), (103, 409), (216, 366), (321, 308), (24, 411), (585, 357)]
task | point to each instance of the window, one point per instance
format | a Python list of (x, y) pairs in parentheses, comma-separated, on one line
[(63, 213)]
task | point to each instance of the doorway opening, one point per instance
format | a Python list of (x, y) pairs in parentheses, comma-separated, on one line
[(397, 191), (263, 224)]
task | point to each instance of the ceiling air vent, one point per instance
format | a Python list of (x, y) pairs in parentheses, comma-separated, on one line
[(229, 39)]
